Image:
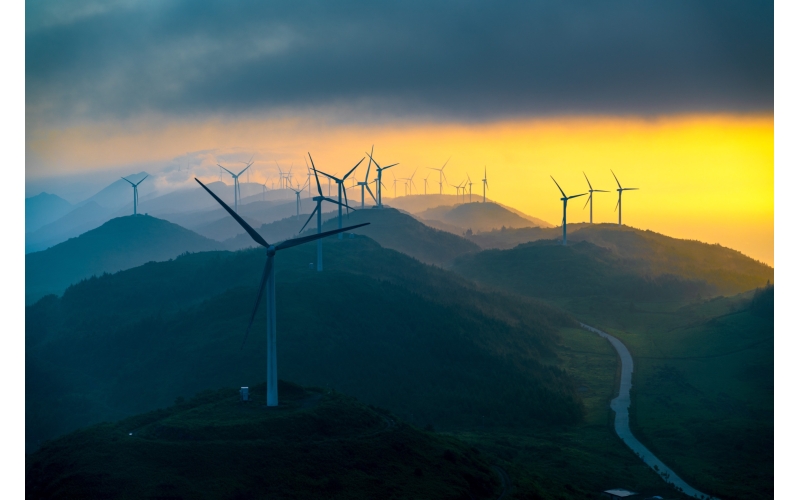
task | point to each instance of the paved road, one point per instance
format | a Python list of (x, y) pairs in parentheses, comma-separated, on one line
[(620, 406)]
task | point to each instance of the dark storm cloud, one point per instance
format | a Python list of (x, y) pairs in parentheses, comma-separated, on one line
[(464, 59)]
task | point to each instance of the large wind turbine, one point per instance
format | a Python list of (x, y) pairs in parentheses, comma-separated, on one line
[(564, 219), (268, 282), (236, 193), (441, 174), (485, 184), (318, 210), (135, 191), (378, 181), (589, 201), (365, 184), (340, 186), (619, 201)]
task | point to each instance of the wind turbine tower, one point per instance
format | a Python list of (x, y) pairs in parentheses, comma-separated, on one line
[(135, 191), (365, 184), (590, 201), (297, 193), (340, 185), (565, 198), (378, 181), (441, 174), (236, 193), (470, 188), (268, 282), (485, 184), (619, 200)]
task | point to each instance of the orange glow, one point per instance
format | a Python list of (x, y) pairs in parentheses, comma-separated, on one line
[(702, 177)]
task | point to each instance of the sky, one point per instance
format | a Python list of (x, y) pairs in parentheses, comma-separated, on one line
[(676, 97)]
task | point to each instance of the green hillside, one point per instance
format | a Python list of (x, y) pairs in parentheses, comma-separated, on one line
[(376, 324), (613, 261), (118, 244), (316, 444), (399, 231)]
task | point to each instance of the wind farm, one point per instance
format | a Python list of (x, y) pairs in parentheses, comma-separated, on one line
[(242, 328)]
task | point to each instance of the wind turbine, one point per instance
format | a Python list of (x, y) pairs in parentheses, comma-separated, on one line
[(378, 182), (235, 185), (590, 201), (297, 192), (394, 184), (564, 219), (470, 188), (441, 174), (619, 201), (318, 210), (426, 183), (135, 191), (410, 181), (340, 185), (268, 282), (485, 184), (365, 184)]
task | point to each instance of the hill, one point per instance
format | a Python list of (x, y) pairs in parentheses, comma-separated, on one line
[(76, 222), (503, 239), (376, 324), (224, 228), (631, 253), (479, 217), (44, 208), (118, 244), (316, 444), (402, 232)]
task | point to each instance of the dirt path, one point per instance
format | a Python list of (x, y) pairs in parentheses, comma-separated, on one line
[(620, 405)]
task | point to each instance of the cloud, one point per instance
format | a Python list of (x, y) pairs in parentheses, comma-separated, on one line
[(435, 60)]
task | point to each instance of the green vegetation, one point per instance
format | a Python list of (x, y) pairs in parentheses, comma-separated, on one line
[(316, 444), (118, 244), (479, 217), (376, 324)]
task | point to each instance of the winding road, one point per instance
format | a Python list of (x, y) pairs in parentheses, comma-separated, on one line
[(620, 406)]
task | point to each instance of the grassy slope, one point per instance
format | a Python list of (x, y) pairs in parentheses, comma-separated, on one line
[(424, 342), (118, 244), (317, 444)]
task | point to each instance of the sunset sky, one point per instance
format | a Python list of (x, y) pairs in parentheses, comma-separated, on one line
[(675, 97)]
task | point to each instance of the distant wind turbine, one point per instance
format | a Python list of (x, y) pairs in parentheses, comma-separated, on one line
[(236, 193), (297, 193), (470, 188), (426, 183), (378, 181), (135, 191), (485, 184), (441, 174), (318, 210), (564, 218), (268, 282), (365, 184), (619, 201), (340, 185), (590, 201)]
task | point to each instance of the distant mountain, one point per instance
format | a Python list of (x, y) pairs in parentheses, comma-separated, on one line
[(83, 218), (275, 231), (224, 228), (479, 217), (503, 239), (377, 324), (118, 244), (44, 208), (618, 261), (214, 446), (402, 232), (188, 200)]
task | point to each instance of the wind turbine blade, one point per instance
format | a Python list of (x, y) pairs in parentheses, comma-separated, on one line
[(240, 173), (309, 218), (587, 182), (390, 166), (601, 191), (264, 276), (147, 175), (126, 180), (344, 191), (370, 193), (559, 187), (629, 189), (305, 239), (319, 187), (445, 163), (351, 170), (373, 159), (252, 232), (615, 178), (337, 203), (225, 169), (576, 196), (615, 206), (587, 202)]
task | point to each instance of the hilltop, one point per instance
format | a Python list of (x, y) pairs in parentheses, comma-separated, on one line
[(376, 324), (118, 244), (617, 253), (44, 208), (317, 443), (479, 217)]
